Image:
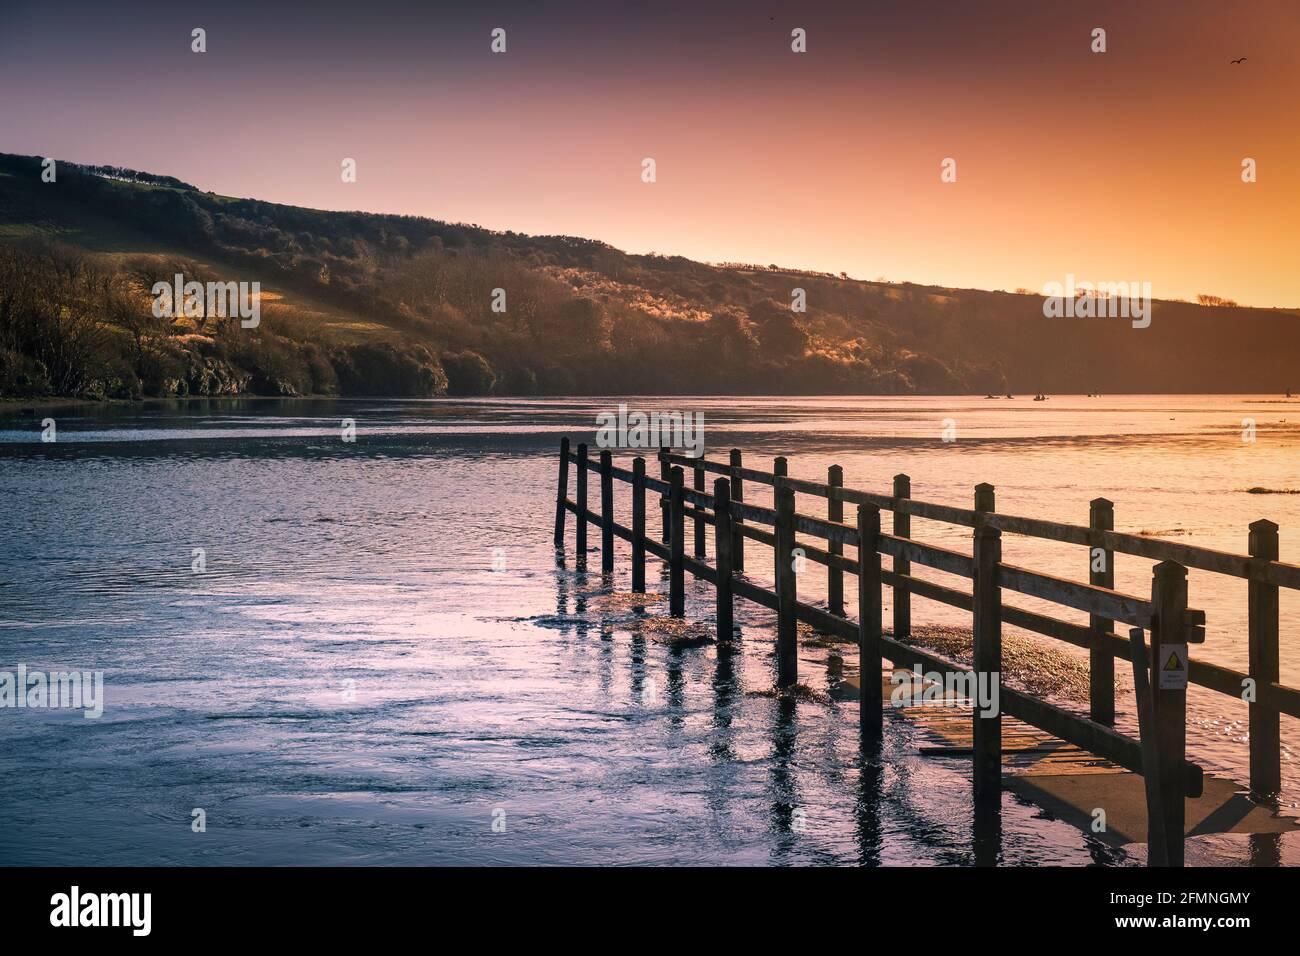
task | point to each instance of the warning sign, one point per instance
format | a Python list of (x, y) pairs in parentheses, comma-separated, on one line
[(1173, 667)]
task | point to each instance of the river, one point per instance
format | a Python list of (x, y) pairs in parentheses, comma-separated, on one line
[(360, 652)]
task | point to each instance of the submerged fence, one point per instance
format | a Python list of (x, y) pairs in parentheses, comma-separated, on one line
[(1160, 753)]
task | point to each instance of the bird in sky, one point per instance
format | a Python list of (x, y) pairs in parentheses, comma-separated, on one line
[(1242, 60)]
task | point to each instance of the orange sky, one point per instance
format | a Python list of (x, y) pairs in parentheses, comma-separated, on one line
[(1117, 166)]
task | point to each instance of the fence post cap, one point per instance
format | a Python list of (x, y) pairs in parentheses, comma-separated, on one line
[(835, 473), (1169, 569), (1101, 504), (1262, 542)]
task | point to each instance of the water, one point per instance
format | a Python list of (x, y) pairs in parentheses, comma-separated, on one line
[(352, 682)]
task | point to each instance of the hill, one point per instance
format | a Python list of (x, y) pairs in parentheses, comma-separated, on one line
[(365, 304)]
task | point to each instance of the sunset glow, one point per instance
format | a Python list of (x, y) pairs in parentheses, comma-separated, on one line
[(1122, 166)]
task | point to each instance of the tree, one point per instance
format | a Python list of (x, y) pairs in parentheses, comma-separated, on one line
[(779, 335), (1205, 298)]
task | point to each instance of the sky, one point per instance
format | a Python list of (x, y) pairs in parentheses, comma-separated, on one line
[(1117, 166)]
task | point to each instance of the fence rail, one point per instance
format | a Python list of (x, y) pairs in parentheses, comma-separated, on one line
[(1160, 753)]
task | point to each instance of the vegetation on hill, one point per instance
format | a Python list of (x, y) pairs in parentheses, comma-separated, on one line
[(363, 304)]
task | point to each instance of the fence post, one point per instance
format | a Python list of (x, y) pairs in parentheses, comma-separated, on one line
[(787, 625), (987, 663), (665, 475), (1169, 707), (1265, 740), (562, 492), (581, 542), (606, 512), (835, 512), (737, 494), (902, 565), (1146, 734), (722, 550), (638, 525), (871, 693), (1101, 663), (698, 484), (677, 548)]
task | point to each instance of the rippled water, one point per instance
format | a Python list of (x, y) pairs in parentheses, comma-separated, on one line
[(351, 681)]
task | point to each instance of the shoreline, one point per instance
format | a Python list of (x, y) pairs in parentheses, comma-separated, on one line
[(45, 402)]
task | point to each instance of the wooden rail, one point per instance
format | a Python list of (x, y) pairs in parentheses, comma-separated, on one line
[(1160, 754)]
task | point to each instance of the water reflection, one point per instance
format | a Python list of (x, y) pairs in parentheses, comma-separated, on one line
[(475, 686), (867, 806), (781, 785), (725, 690), (1266, 849), (988, 830)]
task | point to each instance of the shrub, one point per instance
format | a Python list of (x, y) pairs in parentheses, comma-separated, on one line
[(468, 373), (22, 376), (387, 370)]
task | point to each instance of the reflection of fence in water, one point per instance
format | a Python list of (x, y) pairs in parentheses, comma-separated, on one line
[(1159, 756)]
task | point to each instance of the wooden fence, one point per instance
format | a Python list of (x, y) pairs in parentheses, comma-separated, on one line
[(1160, 753)]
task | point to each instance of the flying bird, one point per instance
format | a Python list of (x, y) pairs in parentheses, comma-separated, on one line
[(1242, 60)]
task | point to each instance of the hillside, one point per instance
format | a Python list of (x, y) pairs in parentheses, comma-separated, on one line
[(364, 304)]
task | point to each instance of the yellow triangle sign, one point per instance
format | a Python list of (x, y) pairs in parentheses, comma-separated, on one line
[(1174, 663)]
